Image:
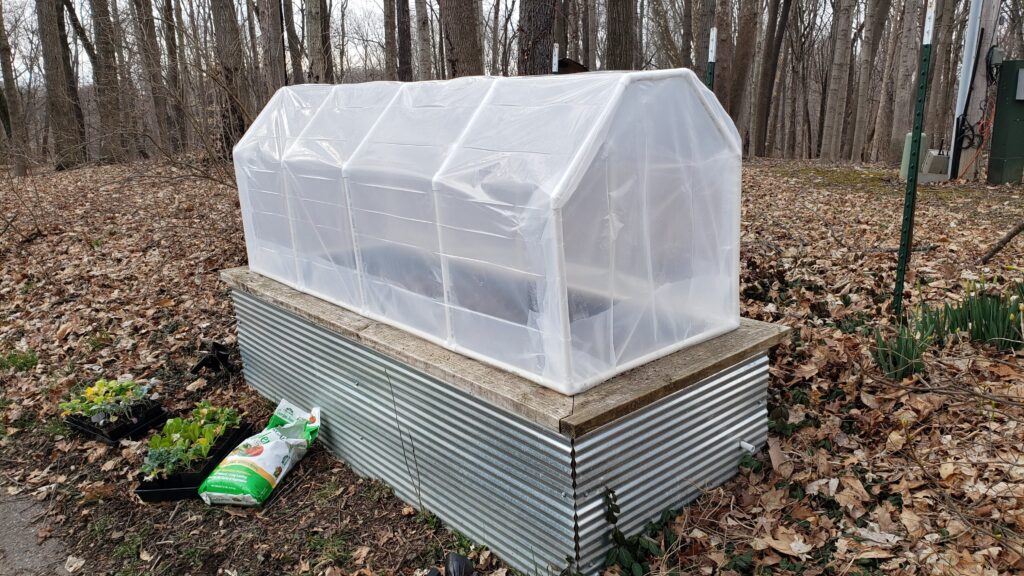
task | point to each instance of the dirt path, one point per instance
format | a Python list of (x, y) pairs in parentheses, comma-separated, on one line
[(20, 552)]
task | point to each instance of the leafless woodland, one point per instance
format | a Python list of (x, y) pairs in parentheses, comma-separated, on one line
[(106, 81)]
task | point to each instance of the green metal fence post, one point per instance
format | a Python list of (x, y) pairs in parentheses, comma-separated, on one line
[(910, 199)]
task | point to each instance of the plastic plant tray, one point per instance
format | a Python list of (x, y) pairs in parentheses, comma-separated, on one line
[(146, 415), (185, 485)]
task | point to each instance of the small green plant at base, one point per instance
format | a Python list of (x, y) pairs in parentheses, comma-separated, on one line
[(900, 355), (19, 361), (184, 441), (630, 554), (106, 401), (750, 462)]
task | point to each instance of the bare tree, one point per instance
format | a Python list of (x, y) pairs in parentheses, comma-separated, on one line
[(590, 36), (746, 42), (318, 42), (536, 36), (704, 19), (724, 52), (877, 12), (64, 110), (272, 41), (229, 52), (423, 51), (404, 42), (620, 37), (390, 43), (905, 82), (176, 95), (16, 131), (835, 108), (778, 17), (461, 35), (294, 43)]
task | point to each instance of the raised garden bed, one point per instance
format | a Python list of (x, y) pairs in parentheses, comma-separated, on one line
[(185, 485), (141, 417)]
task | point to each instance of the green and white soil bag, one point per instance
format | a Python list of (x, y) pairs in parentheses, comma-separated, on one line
[(248, 475)]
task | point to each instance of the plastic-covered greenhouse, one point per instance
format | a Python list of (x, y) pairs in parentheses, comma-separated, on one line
[(565, 228)]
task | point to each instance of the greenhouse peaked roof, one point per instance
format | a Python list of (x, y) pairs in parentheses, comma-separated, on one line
[(537, 130)]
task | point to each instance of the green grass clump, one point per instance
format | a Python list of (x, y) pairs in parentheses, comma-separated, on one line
[(982, 315), (989, 317), (20, 361), (902, 354)]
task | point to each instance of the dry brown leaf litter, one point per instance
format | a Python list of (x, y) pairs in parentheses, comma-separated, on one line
[(113, 270)]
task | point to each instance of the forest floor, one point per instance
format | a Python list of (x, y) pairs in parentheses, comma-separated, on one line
[(113, 270)]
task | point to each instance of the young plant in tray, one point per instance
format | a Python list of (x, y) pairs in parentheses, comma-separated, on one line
[(185, 442), (106, 402)]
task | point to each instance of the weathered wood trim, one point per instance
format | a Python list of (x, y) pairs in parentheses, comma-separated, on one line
[(572, 416)]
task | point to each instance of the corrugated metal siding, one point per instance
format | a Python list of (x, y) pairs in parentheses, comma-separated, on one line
[(497, 479), (531, 495), (667, 453)]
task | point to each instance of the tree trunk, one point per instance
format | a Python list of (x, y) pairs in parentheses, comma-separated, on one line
[(905, 84), (875, 18), (559, 33), (591, 33), (423, 60), (724, 51), (404, 42), (104, 73), (294, 44), (18, 132), (176, 95), (746, 39), (461, 36), (883, 118), (128, 96), (495, 37), (687, 40), (318, 43), (619, 54), (671, 54), (228, 39), (778, 17), (835, 108), (150, 50), (62, 104), (272, 40), (536, 36), (704, 19), (390, 43)]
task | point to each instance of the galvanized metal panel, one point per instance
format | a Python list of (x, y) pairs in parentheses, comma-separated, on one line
[(494, 477), (667, 453), (531, 495)]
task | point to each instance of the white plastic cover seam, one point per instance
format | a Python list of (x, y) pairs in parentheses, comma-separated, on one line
[(715, 112), (574, 172), (562, 289), (645, 210), (435, 188), (348, 199)]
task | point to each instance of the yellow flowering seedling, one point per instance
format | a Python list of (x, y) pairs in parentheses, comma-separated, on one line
[(106, 401)]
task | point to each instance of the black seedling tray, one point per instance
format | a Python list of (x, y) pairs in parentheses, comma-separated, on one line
[(185, 485), (145, 415)]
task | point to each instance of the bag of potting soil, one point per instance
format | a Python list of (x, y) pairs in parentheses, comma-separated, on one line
[(248, 475)]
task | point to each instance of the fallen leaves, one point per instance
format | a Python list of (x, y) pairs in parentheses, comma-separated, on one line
[(123, 279)]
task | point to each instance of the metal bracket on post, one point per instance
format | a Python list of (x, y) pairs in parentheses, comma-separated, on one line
[(709, 79), (910, 199)]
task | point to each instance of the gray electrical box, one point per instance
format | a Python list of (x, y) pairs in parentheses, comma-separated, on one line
[(1020, 84)]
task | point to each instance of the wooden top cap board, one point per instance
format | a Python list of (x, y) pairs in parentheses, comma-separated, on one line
[(571, 416)]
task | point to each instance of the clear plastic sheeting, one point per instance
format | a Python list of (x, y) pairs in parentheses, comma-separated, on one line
[(565, 228)]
